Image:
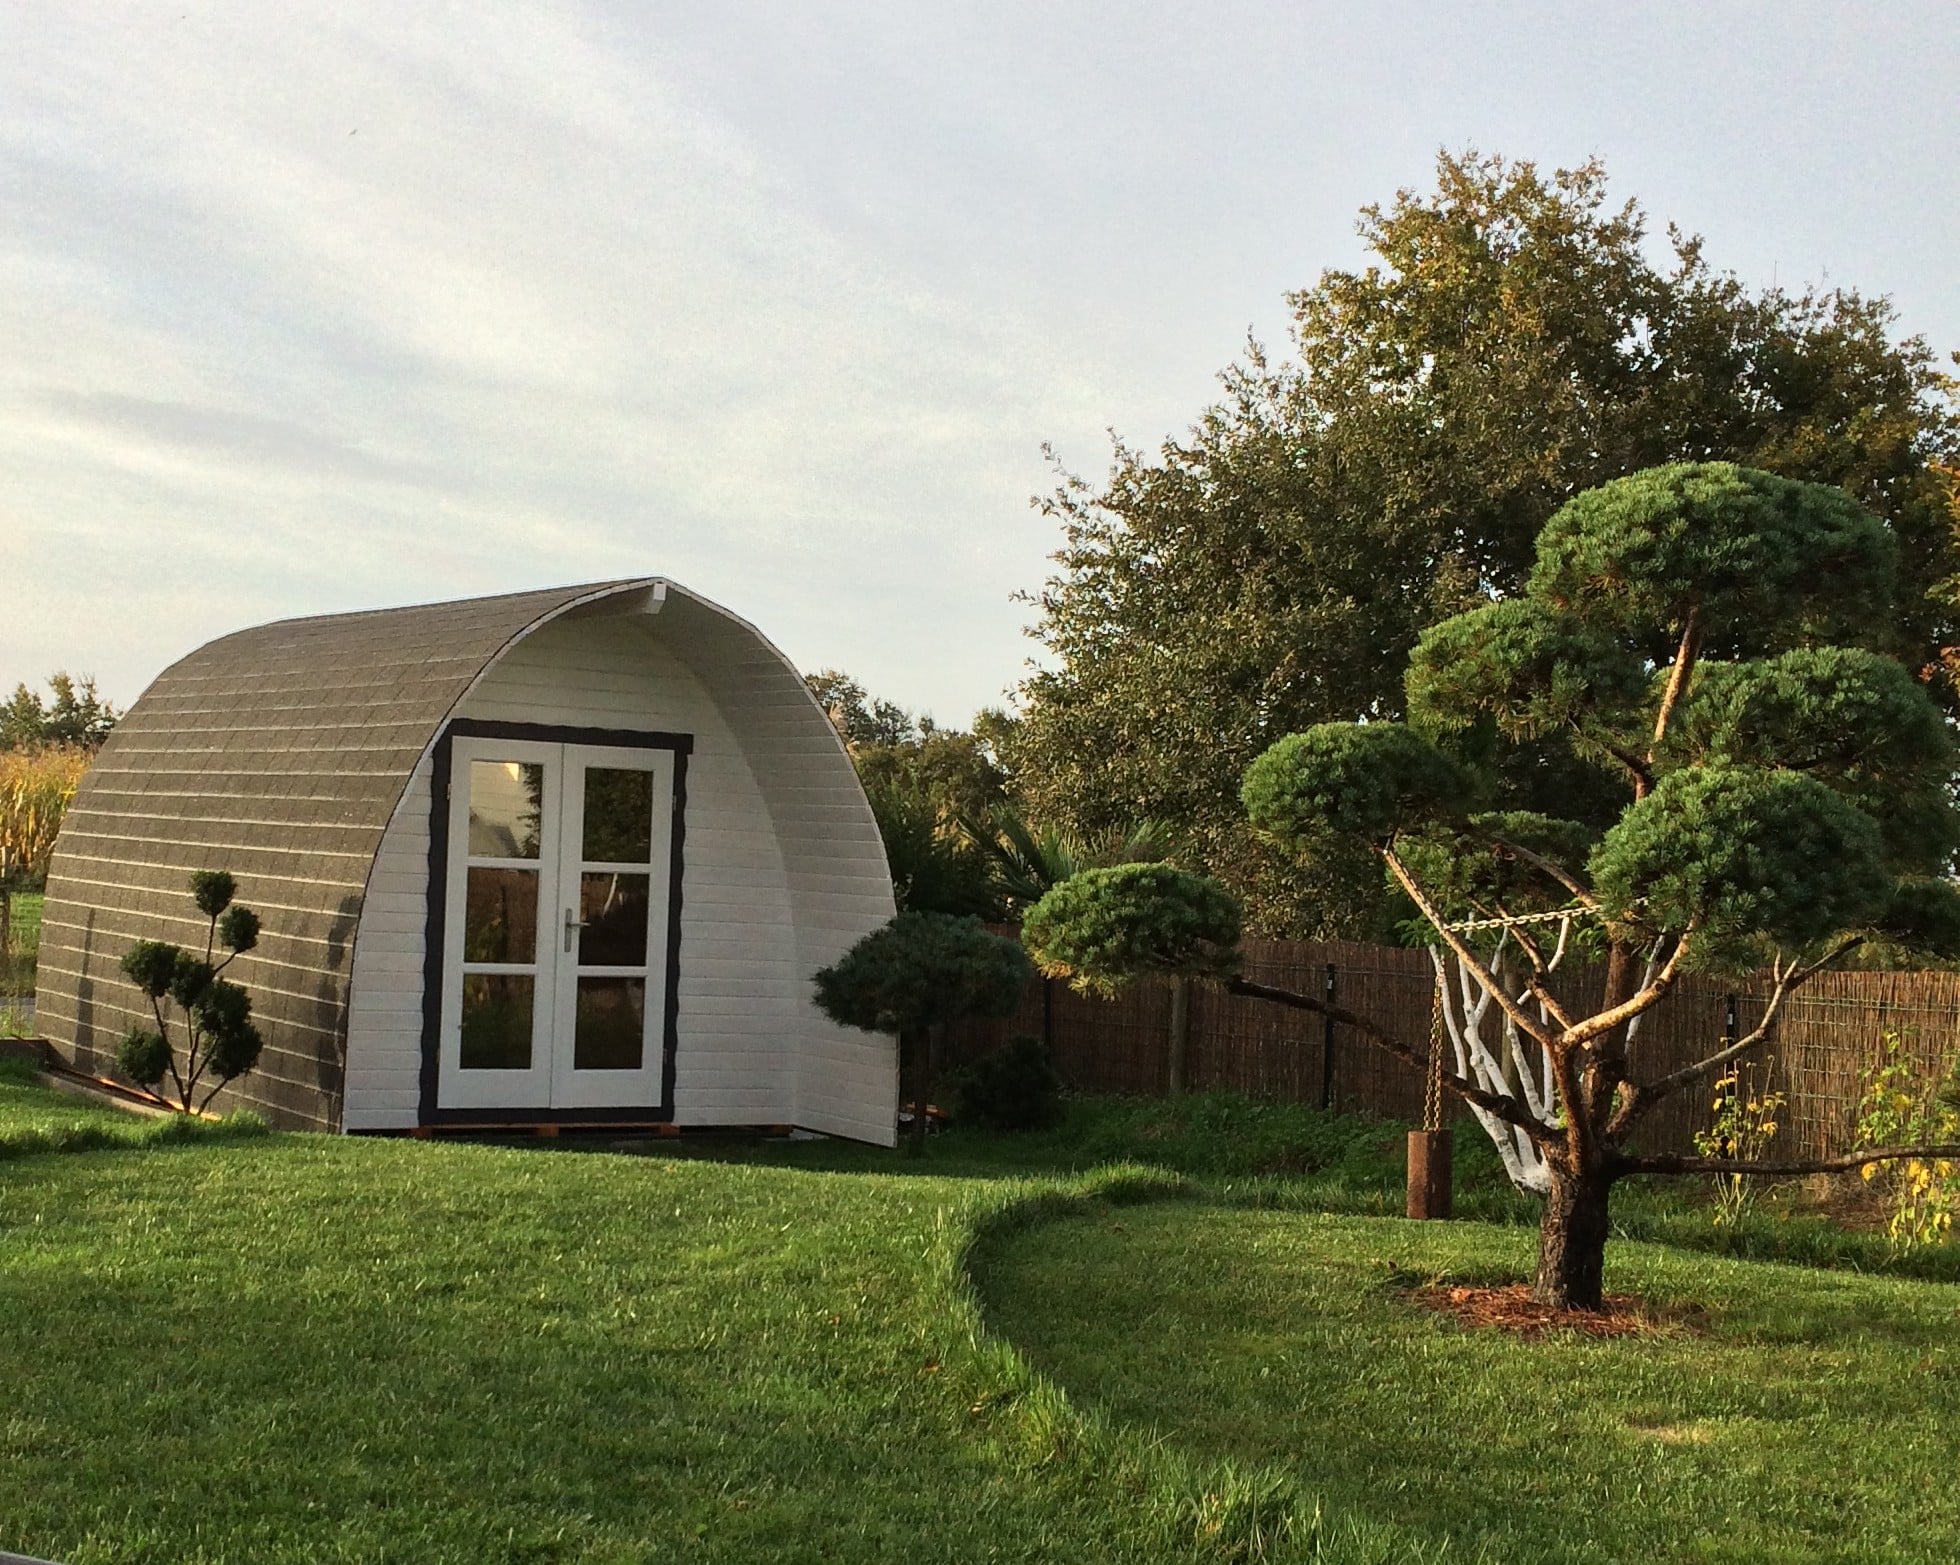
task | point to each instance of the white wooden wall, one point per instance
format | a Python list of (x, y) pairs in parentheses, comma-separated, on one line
[(783, 872)]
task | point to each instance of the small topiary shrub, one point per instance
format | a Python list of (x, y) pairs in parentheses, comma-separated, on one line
[(220, 1040), (912, 977), (1014, 1088)]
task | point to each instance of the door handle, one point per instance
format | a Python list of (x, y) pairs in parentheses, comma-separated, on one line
[(573, 924)]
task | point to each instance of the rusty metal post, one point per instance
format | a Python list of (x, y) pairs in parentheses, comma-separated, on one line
[(1430, 1183)]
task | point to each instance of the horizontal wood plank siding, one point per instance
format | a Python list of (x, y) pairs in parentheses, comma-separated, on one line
[(278, 753), (833, 862), (784, 870)]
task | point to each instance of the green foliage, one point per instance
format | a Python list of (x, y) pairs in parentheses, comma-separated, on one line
[(1901, 1107), (1739, 853), (1105, 928), (1849, 717), (922, 782), (934, 867), (1028, 864), (190, 979), (1530, 668), (1470, 869), (238, 929), (212, 890), (955, 770), (923, 970), (897, 753), (233, 1050), (860, 718), (1364, 780), (1786, 792), (144, 1056), (220, 1040), (1763, 562), (1014, 1088), (152, 966), (76, 715), (1512, 342), (1923, 918)]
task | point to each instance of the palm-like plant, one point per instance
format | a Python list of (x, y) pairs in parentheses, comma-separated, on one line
[(1029, 863)]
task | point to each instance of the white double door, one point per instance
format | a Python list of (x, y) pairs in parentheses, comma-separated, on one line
[(556, 915)]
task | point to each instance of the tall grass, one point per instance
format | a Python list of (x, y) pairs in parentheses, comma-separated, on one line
[(35, 787)]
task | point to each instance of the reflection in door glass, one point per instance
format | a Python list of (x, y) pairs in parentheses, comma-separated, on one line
[(497, 1021), (506, 802), (614, 908), (618, 816), (611, 1024), (500, 915)]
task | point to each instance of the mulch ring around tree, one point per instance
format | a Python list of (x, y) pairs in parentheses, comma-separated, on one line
[(1511, 1308)]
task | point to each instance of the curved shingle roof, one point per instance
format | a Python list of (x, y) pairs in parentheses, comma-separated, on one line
[(278, 753)]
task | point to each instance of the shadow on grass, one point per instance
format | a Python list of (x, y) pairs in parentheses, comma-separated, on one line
[(1234, 1334)]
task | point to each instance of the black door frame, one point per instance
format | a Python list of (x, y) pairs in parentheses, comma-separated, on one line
[(431, 1111)]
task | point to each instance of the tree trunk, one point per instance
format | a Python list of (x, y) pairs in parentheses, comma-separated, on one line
[(921, 1087), (1572, 1241), (1180, 1032)]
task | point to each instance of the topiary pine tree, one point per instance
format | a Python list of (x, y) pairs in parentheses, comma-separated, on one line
[(220, 1040), (1771, 790), (913, 976), (1102, 928)]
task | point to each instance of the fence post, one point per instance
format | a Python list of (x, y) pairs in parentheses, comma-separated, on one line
[(1327, 1049), (1180, 1032)]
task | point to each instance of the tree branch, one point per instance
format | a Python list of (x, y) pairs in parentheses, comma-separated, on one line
[(1531, 1026), (1643, 1096), (1505, 1108), (1645, 998), (1539, 862), (1677, 680), (170, 1054), (1679, 1163), (1643, 774)]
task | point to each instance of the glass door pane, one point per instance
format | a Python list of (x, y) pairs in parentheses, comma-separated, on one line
[(498, 969), (612, 981)]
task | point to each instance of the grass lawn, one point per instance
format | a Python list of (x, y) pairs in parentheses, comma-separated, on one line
[(1814, 1420), (283, 1348), (23, 944), (34, 1118)]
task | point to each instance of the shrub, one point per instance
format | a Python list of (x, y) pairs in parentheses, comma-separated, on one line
[(220, 1040), (1014, 1088)]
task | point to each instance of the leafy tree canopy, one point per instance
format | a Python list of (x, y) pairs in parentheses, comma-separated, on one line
[(1514, 342), (1780, 796), (73, 714), (922, 781)]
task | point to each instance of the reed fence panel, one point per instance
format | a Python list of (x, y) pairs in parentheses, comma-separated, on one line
[(1832, 1032)]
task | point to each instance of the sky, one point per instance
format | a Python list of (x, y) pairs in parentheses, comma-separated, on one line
[(315, 307)]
